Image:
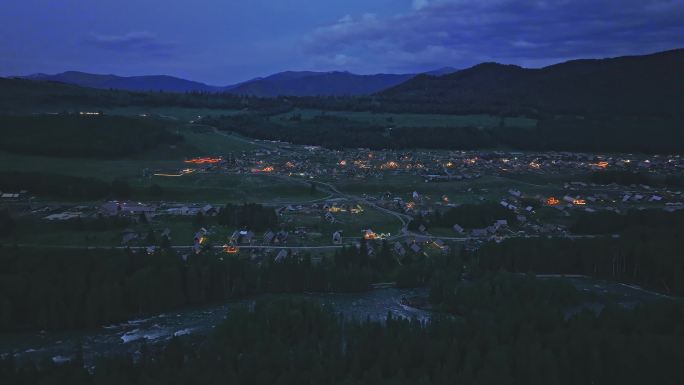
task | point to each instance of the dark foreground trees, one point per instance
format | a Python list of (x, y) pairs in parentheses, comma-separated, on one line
[(293, 342), (45, 289)]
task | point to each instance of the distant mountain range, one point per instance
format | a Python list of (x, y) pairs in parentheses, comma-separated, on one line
[(131, 83), (630, 84), (290, 83), (645, 85), (322, 84)]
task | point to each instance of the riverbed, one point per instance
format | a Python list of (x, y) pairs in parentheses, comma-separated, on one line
[(129, 337)]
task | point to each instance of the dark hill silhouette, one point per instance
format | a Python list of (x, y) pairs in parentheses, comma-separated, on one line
[(130, 83), (650, 84)]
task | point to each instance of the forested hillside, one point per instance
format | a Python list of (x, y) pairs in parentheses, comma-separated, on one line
[(633, 85), (501, 337), (72, 135)]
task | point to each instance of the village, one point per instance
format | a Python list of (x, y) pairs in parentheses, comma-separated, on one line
[(385, 197)]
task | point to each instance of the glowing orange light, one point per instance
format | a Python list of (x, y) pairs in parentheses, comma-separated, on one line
[(205, 160), (370, 235), (230, 249), (580, 202), (390, 165), (552, 201), (265, 169), (602, 164)]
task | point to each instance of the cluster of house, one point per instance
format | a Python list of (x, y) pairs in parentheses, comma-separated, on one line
[(8, 196), (433, 166), (614, 197), (330, 211), (61, 213), (150, 210), (499, 227), (464, 165), (128, 209), (419, 245), (130, 236), (18, 200)]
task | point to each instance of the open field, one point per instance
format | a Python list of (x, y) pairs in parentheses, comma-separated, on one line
[(491, 188), (198, 141), (102, 169), (177, 113), (224, 188), (198, 187), (209, 142), (37, 232), (413, 120)]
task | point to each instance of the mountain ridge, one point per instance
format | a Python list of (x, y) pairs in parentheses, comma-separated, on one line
[(651, 83), (285, 83)]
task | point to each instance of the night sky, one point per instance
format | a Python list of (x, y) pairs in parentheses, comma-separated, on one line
[(225, 41)]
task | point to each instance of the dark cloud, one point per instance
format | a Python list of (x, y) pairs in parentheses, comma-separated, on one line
[(527, 32), (133, 42)]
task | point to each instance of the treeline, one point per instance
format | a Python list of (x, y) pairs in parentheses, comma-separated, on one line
[(498, 292), (25, 95), (44, 289), (18, 95), (614, 133), (634, 221), (468, 216), (62, 186), (251, 216), (70, 135), (7, 223), (552, 133), (327, 131), (651, 260), (572, 130), (298, 342)]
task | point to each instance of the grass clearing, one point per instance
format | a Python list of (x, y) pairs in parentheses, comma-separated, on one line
[(411, 120), (224, 188), (176, 113)]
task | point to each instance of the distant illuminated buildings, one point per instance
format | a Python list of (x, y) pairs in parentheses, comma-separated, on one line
[(204, 160)]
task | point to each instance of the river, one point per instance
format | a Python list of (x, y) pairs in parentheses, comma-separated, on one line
[(129, 337)]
